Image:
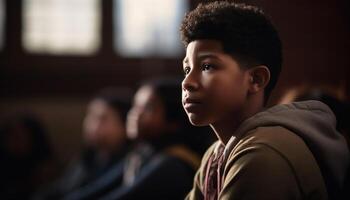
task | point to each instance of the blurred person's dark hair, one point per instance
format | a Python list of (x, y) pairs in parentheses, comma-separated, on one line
[(168, 89), (29, 123), (26, 156), (117, 98)]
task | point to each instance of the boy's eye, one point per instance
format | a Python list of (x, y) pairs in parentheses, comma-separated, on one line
[(187, 70), (207, 66)]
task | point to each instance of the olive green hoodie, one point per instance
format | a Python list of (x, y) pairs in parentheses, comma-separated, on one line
[(290, 151)]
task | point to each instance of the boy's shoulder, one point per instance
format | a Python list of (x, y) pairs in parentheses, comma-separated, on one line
[(281, 140), (274, 150), (276, 140), (273, 158)]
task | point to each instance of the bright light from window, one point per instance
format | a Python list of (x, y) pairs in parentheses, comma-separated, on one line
[(61, 26), (148, 27), (2, 23)]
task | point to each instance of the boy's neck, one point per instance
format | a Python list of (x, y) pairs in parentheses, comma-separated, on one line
[(225, 128)]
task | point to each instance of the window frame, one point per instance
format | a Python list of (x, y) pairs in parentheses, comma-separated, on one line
[(80, 74)]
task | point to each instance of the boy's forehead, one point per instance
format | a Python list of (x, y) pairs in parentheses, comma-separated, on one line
[(203, 48)]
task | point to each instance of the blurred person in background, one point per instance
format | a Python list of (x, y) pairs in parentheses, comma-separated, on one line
[(166, 155), (26, 156), (105, 146)]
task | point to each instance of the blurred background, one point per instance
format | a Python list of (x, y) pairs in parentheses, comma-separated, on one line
[(56, 54)]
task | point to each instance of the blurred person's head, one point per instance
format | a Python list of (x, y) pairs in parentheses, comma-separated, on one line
[(23, 136), (156, 109), (104, 123)]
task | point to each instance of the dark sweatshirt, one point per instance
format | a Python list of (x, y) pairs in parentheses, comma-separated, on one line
[(286, 152)]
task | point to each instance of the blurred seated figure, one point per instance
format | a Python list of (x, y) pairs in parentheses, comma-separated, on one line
[(105, 146), (163, 162), (25, 157)]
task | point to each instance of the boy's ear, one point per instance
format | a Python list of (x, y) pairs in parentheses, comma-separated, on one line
[(259, 78)]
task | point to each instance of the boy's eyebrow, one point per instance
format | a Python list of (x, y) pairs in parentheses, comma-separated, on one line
[(207, 55), (203, 55)]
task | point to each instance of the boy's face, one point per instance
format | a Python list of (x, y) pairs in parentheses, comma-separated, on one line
[(215, 87)]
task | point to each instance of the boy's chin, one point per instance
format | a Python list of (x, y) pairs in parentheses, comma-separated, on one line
[(197, 121)]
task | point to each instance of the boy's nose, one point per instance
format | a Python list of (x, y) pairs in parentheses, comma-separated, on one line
[(190, 82)]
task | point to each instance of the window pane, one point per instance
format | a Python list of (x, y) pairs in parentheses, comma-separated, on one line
[(2, 23), (61, 26), (148, 27)]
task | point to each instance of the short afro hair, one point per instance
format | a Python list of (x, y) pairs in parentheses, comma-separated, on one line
[(244, 31)]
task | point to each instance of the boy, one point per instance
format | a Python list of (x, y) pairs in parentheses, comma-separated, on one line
[(233, 60)]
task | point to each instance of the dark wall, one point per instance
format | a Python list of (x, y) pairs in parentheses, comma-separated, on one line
[(316, 42)]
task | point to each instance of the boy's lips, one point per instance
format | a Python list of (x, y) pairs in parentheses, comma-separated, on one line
[(192, 101), (192, 105)]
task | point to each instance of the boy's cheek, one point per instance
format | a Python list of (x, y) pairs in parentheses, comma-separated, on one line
[(183, 94)]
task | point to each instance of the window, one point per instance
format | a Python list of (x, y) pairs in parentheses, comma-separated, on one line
[(2, 23), (148, 27), (61, 26)]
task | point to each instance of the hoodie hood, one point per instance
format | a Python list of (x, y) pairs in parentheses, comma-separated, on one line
[(315, 123)]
